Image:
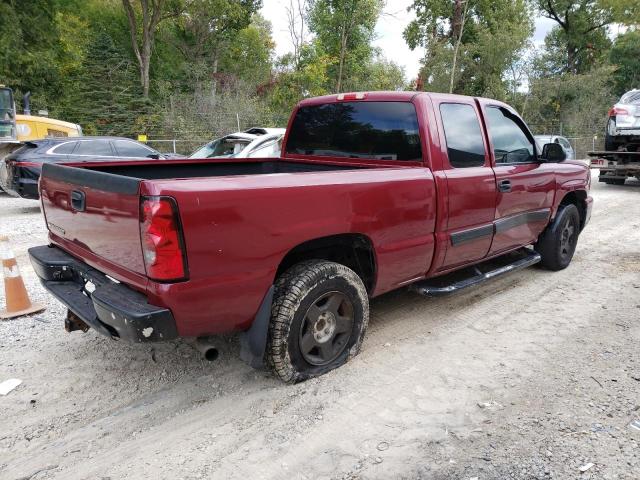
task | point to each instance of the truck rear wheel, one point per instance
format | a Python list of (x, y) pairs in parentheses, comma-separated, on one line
[(318, 320), (615, 181), (557, 244)]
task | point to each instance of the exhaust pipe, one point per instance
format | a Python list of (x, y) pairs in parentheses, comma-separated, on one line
[(207, 349), (26, 103)]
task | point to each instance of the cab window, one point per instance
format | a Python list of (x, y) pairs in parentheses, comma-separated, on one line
[(464, 137), (510, 142)]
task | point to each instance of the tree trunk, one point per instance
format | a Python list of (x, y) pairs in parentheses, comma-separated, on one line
[(571, 57), (458, 40), (343, 52)]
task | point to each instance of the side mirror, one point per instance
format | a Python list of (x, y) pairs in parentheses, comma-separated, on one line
[(155, 156), (553, 152)]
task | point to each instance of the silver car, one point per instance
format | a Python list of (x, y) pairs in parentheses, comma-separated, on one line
[(623, 126), (252, 143), (541, 140)]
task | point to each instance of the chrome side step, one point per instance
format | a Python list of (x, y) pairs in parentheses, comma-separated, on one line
[(456, 281)]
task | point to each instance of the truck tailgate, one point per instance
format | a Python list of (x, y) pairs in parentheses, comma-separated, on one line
[(95, 215)]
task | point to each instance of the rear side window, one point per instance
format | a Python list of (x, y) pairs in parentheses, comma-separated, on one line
[(464, 137), (94, 147), (65, 148), (374, 130), (129, 149)]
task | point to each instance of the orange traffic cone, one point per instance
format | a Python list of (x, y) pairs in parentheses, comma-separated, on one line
[(18, 302)]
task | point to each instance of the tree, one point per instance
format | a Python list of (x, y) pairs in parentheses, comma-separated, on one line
[(106, 97), (248, 55), (469, 44), (143, 31), (344, 30), (625, 56), (29, 46), (297, 13), (206, 30), (581, 30)]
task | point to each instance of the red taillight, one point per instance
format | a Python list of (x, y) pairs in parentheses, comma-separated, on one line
[(26, 164), (162, 242), (618, 111)]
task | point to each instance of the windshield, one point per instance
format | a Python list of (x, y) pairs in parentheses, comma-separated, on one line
[(380, 130), (6, 113), (223, 147)]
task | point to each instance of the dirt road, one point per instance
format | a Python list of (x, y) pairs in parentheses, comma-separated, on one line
[(535, 375)]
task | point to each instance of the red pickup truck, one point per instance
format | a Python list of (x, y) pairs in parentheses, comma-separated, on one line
[(372, 192)]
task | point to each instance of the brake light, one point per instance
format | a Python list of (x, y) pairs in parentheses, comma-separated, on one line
[(162, 241), (618, 111), (351, 96), (26, 164)]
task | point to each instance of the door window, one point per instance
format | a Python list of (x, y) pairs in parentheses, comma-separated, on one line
[(464, 137), (100, 148), (65, 148), (129, 149), (510, 143)]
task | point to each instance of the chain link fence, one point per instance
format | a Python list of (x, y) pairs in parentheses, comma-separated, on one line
[(178, 146), (581, 145)]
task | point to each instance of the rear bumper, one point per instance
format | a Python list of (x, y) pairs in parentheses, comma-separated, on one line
[(20, 181), (111, 308)]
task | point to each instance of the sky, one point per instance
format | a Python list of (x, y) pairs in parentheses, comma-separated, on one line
[(388, 32)]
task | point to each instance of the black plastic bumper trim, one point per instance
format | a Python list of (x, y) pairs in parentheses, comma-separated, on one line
[(111, 308)]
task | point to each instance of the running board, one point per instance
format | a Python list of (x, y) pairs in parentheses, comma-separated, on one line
[(456, 281)]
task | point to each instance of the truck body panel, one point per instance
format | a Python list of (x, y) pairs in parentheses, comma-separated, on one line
[(416, 210)]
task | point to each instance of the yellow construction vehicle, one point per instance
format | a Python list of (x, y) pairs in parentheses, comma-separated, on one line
[(8, 131)]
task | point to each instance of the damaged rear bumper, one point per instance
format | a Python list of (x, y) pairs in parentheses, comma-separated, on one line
[(111, 308)]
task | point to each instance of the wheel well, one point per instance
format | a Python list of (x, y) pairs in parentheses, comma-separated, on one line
[(579, 199), (351, 250)]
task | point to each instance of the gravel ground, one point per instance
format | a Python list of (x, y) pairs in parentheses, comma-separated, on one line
[(533, 376)]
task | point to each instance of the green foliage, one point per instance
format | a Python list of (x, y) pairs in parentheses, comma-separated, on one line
[(625, 56), (212, 62), (29, 47), (579, 40), (106, 98), (248, 55), (577, 101), (491, 36), (344, 30)]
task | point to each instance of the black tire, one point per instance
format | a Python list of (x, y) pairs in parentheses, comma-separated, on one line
[(319, 317), (557, 244), (615, 181)]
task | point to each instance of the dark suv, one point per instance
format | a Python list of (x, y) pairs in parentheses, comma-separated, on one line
[(20, 171)]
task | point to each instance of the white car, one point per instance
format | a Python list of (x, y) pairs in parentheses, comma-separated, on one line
[(253, 143), (541, 140), (623, 126)]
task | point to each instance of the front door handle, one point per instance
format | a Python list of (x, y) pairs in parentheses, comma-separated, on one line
[(504, 186)]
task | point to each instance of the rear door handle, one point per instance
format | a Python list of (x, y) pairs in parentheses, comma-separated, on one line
[(78, 200), (504, 186)]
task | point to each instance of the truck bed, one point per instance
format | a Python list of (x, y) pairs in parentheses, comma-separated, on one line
[(239, 219), (158, 170)]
